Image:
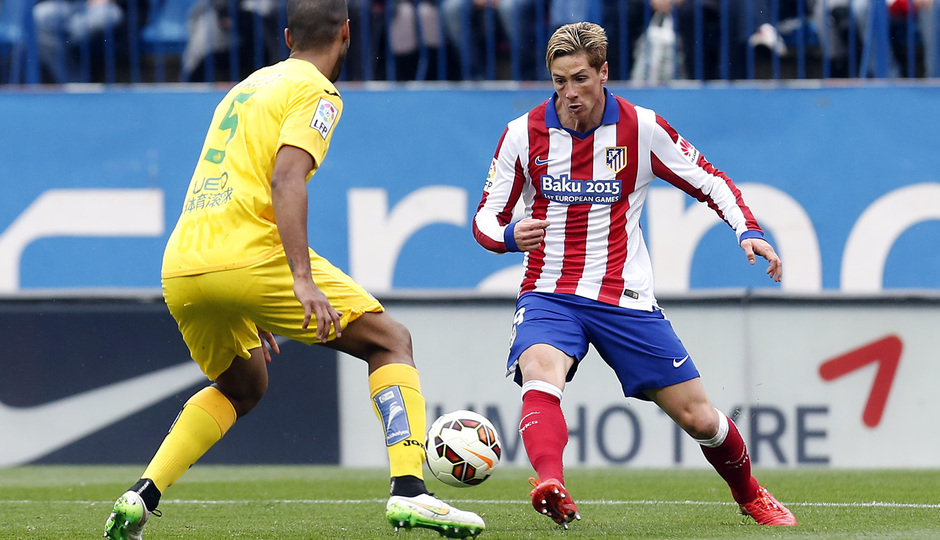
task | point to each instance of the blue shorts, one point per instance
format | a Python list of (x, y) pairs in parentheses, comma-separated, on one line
[(640, 346)]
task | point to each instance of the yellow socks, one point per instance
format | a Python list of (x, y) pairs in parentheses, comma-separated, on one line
[(396, 397), (203, 421)]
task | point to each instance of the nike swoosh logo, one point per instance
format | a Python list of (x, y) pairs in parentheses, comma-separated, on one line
[(676, 363), (32, 432), (439, 510), (488, 461), (539, 161)]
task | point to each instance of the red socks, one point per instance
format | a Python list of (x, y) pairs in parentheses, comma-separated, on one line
[(543, 429), (545, 434), (732, 462)]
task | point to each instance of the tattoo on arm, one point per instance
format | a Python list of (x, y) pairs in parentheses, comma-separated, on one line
[(290, 264)]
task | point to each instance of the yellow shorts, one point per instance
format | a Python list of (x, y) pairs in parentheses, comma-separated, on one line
[(217, 311)]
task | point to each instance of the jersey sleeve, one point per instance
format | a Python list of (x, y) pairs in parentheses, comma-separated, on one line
[(310, 119), (677, 161), (492, 223)]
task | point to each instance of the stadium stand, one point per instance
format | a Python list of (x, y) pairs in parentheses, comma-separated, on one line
[(165, 34), (15, 28), (398, 40)]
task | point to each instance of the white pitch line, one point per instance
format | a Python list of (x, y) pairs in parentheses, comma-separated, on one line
[(872, 504)]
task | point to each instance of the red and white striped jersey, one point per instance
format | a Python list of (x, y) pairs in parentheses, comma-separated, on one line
[(591, 187)]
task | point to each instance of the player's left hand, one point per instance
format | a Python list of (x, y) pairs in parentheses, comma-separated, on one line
[(759, 246), (272, 344)]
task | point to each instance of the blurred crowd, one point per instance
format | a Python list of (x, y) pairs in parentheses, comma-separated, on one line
[(651, 41)]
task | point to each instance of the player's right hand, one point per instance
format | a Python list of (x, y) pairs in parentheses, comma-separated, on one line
[(318, 307), (759, 246), (529, 233)]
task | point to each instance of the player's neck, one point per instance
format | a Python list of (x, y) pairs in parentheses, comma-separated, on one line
[(324, 60), (585, 123), (317, 59)]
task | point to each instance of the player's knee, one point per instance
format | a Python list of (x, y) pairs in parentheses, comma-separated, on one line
[(399, 338), (247, 400), (244, 393), (699, 422), (545, 363), (386, 341)]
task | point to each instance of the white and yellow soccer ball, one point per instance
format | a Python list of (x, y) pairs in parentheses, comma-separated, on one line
[(463, 448)]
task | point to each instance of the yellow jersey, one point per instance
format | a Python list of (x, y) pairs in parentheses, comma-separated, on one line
[(227, 220)]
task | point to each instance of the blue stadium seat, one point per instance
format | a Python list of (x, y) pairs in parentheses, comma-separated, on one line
[(15, 23), (166, 32)]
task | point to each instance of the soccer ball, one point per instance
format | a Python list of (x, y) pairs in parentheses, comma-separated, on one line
[(462, 448)]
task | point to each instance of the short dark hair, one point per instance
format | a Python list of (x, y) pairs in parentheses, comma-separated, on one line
[(314, 23)]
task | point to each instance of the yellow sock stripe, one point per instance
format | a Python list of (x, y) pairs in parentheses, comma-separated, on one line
[(394, 375), (214, 402)]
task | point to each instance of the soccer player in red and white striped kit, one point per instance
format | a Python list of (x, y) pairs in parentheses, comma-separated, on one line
[(581, 163)]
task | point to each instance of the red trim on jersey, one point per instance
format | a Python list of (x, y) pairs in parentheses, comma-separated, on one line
[(738, 198), (538, 146), (505, 214), (664, 172), (612, 284), (482, 239), (673, 134), (576, 222)]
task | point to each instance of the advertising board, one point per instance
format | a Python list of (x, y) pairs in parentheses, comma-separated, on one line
[(840, 178)]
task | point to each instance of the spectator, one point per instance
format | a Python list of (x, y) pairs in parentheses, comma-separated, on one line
[(413, 28), (899, 13), (229, 39), (517, 20), (367, 21), (65, 27), (749, 23), (641, 12), (840, 34), (712, 56), (610, 15)]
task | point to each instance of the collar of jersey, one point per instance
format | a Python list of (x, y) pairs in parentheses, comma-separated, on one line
[(611, 114)]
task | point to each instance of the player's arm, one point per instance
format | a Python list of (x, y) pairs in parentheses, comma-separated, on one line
[(678, 162), (289, 198), (493, 227)]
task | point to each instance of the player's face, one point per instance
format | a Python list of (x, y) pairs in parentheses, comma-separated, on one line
[(580, 90)]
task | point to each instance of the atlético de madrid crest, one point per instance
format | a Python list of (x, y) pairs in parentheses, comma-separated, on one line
[(616, 158)]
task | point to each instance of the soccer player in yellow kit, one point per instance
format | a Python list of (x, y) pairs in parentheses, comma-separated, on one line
[(238, 262)]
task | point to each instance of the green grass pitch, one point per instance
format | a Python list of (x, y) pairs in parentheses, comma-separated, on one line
[(307, 502)]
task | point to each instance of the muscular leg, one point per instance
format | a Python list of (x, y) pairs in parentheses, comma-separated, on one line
[(544, 430), (204, 420), (376, 338), (244, 382), (688, 405), (542, 426), (394, 384)]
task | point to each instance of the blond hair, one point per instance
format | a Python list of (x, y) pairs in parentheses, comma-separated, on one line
[(576, 38)]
